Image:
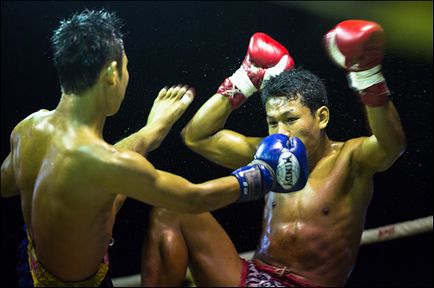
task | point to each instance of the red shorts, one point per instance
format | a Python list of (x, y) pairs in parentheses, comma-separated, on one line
[(259, 275)]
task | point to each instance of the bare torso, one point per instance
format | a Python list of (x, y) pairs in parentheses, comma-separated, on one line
[(69, 218), (316, 232)]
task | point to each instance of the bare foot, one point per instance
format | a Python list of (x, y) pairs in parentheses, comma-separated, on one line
[(169, 105)]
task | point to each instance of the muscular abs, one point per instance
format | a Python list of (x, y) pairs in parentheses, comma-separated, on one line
[(315, 232)]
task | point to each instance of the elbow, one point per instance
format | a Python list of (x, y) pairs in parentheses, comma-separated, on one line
[(395, 146), (9, 187), (403, 147), (401, 144), (392, 154), (188, 139)]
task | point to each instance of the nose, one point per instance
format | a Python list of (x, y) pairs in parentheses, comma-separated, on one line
[(283, 129)]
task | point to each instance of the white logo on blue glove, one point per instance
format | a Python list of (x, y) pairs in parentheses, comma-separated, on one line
[(288, 170)]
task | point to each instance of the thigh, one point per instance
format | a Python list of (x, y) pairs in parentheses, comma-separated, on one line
[(214, 260)]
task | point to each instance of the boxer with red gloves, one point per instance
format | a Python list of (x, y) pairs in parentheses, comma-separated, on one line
[(265, 58), (311, 236)]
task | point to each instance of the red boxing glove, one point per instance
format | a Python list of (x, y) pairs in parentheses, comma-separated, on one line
[(265, 58), (358, 46)]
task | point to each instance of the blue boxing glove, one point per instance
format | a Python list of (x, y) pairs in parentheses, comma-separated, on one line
[(287, 157), (280, 165)]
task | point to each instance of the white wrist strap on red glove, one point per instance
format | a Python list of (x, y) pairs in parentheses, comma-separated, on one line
[(371, 86), (241, 80), (364, 79)]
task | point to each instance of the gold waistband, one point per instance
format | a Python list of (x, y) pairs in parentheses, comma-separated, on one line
[(43, 278)]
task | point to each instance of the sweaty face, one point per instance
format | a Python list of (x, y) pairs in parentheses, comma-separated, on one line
[(291, 118)]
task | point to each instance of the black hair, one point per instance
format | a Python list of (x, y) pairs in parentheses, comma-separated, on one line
[(83, 45), (294, 84)]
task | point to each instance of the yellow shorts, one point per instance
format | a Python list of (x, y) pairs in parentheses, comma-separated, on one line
[(43, 278)]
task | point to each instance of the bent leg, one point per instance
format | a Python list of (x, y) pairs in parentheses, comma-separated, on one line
[(164, 252), (176, 238)]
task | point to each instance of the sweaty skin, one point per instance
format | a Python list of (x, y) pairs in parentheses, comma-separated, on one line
[(72, 183), (315, 232), (59, 202)]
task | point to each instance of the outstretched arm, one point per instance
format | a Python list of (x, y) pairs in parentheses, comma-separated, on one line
[(205, 135), (132, 175), (129, 174), (358, 46)]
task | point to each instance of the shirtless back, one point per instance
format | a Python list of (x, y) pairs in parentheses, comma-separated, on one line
[(69, 218)]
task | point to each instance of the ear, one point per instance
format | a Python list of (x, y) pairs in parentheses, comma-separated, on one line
[(110, 73), (322, 114)]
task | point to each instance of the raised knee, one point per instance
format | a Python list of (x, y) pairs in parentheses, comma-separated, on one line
[(164, 218)]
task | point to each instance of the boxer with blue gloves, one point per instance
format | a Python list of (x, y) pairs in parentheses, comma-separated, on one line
[(311, 236), (280, 165), (72, 182)]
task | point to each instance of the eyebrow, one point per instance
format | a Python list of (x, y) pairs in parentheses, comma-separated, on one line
[(286, 113)]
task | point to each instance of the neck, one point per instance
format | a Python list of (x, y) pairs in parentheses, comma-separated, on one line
[(322, 150), (85, 110)]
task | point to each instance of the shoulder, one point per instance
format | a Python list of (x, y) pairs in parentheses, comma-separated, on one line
[(346, 149), (30, 120), (37, 115), (352, 144), (101, 166), (90, 152), (101, 158), (362, 154), (348, 146), (24, 127)]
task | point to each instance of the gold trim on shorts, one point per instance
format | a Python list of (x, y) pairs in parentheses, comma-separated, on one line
[(43, 278)]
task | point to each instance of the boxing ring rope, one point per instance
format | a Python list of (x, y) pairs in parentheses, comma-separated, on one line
[(369, 236)]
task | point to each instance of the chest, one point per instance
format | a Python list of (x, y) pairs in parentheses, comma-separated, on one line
[(324, 195)]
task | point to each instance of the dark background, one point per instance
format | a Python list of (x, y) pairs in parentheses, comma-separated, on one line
[(200, 44)]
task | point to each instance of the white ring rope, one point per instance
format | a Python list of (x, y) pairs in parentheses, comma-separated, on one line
[(383, 233), (397, 230)]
